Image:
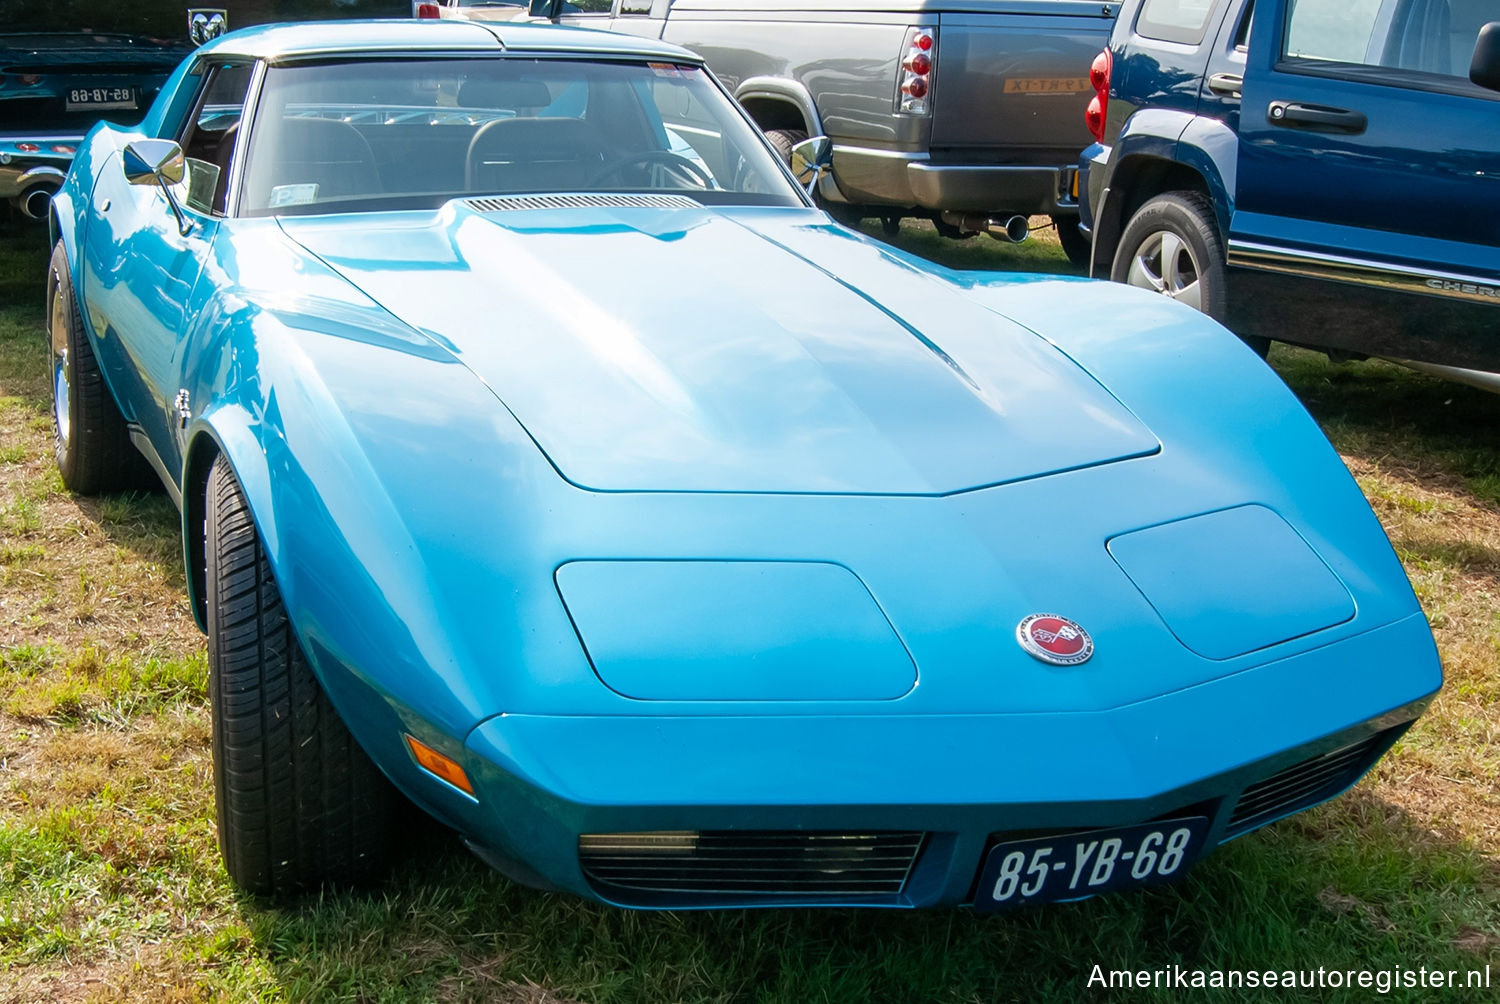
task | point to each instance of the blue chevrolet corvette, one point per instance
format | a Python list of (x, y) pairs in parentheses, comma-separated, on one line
[(546, 457)]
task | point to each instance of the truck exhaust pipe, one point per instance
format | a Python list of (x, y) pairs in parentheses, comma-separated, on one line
[(34, 203), (1013, 229)]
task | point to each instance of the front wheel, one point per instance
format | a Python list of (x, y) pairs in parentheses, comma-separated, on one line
[(299, 803)]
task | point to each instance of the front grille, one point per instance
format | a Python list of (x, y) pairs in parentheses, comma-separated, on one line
[(505, 203), (1304, 784), (780, 863)]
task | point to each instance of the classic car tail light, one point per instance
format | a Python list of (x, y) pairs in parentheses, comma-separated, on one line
[(917, 63), (1099, 74), (63, 148), (28, 148), (428, 10)]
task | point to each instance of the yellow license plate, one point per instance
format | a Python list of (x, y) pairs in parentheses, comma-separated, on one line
[(1046, 85)]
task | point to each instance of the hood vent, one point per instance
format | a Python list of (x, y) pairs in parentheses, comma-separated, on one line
[(503, 203)]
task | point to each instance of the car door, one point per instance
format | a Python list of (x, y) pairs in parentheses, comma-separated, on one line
[(1368, 158), (140, 264)]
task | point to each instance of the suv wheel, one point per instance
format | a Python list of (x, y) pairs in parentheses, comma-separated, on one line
[(1172, 247)]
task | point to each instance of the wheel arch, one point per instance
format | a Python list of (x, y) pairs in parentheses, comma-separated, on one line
[(1136, 181), (207, 442), (778, 103), (1163, 151)]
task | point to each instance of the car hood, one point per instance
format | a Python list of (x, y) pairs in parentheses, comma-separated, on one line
[(88, 52), (700, 350)]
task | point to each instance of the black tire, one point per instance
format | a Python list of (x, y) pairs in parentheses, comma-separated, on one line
[(89, 435), (1074, 244), (299, 803), (783, 140), (1172, 246)]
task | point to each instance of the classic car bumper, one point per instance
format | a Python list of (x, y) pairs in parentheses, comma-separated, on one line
[(1244, 750), (885, 177), (24, 171)]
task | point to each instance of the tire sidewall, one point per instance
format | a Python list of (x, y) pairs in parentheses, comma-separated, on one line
[(59, 312), (1188, 216)]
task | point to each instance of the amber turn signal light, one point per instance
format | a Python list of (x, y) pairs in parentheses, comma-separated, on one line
[(435, 763)]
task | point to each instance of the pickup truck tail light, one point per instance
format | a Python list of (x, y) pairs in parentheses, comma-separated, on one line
[(427, 10), (918, 60), (1098, 110)]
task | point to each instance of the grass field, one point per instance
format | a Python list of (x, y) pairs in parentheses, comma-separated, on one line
[(111, 887)]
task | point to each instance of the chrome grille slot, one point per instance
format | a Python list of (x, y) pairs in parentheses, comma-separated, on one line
[(779, 863), (1303, 784), (499, 204)]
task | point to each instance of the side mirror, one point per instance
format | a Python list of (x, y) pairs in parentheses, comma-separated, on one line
[(810, 159), (1484, 69), (546, 10), (158, 162)]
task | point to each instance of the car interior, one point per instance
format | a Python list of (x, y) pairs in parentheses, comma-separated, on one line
[(360, 132)]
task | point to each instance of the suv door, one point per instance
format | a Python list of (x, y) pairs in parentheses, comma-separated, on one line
[(1367, 157)]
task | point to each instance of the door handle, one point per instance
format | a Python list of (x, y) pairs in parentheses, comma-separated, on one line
[(1228, 84), (1316, 118)]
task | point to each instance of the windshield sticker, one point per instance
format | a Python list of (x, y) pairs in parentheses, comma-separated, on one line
[(293, 195)]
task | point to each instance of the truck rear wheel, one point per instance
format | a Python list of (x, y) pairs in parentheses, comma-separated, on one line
[(783, 140)]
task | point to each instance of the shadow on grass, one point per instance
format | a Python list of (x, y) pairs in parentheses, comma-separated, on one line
[(1358, 884), (1401, 419)]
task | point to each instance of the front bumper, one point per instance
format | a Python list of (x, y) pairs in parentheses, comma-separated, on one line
[(884, 177), (962, 781)]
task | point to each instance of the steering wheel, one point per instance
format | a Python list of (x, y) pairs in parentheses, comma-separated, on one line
[(666, 157)]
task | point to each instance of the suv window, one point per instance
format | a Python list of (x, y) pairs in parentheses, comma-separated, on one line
[(1182, 21), (1421, 36)]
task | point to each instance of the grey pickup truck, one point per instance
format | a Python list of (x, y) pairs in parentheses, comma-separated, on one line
[(968, 112)]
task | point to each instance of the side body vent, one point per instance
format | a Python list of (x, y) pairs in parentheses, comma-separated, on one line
[(504, 203), (775, 864), (1305, 784)]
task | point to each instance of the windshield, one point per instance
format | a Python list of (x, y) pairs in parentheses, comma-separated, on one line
[(398, 134)]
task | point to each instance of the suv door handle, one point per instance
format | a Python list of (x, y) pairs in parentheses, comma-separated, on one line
[(1317, 118), (1229, 84)]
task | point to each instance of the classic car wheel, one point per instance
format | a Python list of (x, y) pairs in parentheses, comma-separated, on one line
[(89, 435), (299, 803), (1074, 244)]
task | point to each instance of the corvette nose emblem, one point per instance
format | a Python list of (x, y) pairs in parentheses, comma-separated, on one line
[(1055, 639)]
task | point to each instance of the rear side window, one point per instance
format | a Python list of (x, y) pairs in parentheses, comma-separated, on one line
[(1184, 21), (1414, 42)]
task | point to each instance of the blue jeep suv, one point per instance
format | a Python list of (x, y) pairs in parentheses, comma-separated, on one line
[(1323, 172)]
